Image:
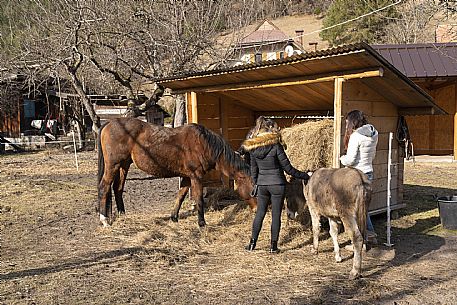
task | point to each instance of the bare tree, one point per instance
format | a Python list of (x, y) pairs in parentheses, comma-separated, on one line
[(417, 19)]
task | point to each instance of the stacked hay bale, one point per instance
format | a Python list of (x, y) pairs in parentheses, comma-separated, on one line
[(309, 145)]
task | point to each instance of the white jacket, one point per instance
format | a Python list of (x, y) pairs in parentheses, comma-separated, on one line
[(361, 148)]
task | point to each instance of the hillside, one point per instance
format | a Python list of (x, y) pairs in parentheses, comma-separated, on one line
[(307, 23)]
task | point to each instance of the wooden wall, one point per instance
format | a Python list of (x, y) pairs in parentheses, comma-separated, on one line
[(434, 134), (10, 123), (228, 118), (384, 116)]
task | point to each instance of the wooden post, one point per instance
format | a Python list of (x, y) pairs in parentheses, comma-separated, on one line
[(224, 122), (193, 98), (455, 123), (337, 105), (191, 103)]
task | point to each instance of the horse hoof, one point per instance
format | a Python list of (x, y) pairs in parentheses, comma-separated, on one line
[(354, 275), (201, 223), (174, 218), (104, 221)]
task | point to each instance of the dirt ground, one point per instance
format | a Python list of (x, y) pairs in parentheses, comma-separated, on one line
[(53, 250)]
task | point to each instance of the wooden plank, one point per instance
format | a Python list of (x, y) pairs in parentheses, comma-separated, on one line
[(237, 133), (337, 122), (208, 111), (293, 113), (383, 142), (291, 81), (213, 124), (417, 110), (364, 106), (382, 155), (384, 124), (385, 108), (379, 199), (358, 90), (381, 184), (193, 102), (380, 170)]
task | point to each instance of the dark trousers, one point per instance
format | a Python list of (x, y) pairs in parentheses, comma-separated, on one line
[(267, 193)]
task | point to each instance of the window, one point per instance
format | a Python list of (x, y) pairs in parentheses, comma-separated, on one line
[(258, 57)]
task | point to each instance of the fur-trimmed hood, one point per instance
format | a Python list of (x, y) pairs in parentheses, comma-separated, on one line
[(262, 140)]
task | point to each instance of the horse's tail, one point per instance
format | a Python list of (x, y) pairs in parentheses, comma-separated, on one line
[(362, 202), (101, 159)]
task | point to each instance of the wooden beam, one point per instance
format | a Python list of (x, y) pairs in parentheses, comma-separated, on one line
[(290, 81), (338, 101), (295, 113), (417, 111)]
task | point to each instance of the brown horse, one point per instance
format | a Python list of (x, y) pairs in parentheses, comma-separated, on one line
[(189, 151)]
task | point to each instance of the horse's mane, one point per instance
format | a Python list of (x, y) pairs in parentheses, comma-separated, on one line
[(220, 148)]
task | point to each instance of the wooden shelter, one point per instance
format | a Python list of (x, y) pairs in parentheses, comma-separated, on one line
[(329, 82), (433, 67)]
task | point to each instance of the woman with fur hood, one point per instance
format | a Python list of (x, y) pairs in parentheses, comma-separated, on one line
[(360, 142), (268, 163)]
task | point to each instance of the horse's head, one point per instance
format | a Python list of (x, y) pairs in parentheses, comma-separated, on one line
[(296, 202), (244, 186)]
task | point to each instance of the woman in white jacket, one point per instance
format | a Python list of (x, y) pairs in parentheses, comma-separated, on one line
[(360, 142)]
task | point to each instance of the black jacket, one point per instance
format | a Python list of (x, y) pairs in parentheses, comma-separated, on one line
[(269, 161)]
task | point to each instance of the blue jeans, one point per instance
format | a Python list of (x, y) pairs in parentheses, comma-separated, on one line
[(369, 223)]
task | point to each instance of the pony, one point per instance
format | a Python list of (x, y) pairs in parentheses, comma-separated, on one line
[(338, 194), (188, 151)]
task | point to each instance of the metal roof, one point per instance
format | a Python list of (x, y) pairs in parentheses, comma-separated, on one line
[(265, 32), (422, 60), (393, 85)]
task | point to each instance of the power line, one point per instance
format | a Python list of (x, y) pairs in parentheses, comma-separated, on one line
[(324, 29)]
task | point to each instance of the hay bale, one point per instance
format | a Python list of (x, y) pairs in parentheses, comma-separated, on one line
[(309, 145)]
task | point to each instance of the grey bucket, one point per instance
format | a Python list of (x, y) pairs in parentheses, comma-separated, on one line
[(447, 206)]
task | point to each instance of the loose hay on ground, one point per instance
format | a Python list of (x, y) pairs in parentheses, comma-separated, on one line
[(144, 258)]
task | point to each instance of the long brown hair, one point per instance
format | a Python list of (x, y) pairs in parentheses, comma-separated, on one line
[(263, 124), (354, 120)]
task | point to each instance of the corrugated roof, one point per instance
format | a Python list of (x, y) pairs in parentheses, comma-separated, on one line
[(265, 32), (340, 50), (422, 60), (393, 85)]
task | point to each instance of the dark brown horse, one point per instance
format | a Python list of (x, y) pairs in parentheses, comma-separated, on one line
[(188, 151)]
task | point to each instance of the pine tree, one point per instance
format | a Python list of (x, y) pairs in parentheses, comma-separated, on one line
[(368, 29)]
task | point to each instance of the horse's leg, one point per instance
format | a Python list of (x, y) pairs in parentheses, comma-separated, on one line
[(350, 225), (315, 220), (334, 235), (104, 194), (197, 191), (118, 186), (185, 184)]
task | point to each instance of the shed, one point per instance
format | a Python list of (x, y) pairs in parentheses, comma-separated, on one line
[(327, 82), (433, 67)]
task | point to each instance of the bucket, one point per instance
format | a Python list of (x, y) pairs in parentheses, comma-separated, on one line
[(447, 206)]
